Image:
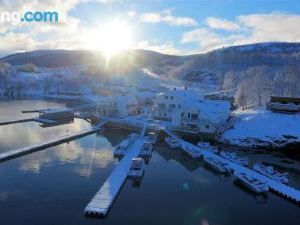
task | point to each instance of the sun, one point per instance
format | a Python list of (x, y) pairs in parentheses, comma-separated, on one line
[(110, 38)]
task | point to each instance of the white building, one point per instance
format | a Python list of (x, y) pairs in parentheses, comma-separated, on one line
[(119, 105), (190, 113)]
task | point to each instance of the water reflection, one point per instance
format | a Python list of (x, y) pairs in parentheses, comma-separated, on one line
[(97, 154), (177, 155), (258, 198), (55, 184)]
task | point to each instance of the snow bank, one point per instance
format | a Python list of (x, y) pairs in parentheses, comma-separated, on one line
[(263, 128)]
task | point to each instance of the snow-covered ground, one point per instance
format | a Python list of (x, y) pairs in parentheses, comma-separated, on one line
[(263, 128)]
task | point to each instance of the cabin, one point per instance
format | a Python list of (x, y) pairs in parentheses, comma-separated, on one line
[(284, 104), (57, 114)]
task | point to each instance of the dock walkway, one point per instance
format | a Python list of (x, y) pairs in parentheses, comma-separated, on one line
[(194, 151), (104, 198), (102, 201), (56, 141), (16, 121)]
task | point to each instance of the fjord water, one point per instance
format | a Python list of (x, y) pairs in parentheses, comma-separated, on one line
[(54, 185)]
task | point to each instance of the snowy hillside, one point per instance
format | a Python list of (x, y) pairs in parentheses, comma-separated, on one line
[(207, 69)]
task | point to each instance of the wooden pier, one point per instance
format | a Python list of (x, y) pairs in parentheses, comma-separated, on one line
[(37, 147)]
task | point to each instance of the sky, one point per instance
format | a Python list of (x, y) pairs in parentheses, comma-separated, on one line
[(178, 27)]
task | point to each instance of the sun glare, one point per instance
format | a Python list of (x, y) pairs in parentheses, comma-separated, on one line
[(110, 38)]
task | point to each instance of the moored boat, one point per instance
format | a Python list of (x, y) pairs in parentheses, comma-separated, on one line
[(251, 182), (122, 148), (152, 137), (137, 168), (208, 147), (217, 164), (173, 143), (271, 173), (146, 150), (234, 158)]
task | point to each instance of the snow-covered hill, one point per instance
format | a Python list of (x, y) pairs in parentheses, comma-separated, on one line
[(206, 69)]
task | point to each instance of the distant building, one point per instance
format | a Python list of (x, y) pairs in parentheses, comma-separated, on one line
[(119, 105), (284, 104), (190, 113)]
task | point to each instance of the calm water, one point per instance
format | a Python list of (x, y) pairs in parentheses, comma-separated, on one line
[(53, 186)]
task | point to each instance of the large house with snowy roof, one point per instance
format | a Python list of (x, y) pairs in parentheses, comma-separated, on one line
[(190, 113)]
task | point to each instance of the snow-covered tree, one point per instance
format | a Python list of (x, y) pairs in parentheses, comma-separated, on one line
[(292, 79), (29, 67), (231, 79), (242, 94)]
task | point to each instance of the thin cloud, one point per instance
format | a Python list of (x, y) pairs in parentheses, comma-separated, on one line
[(168, 18), (223, 24), (245, 29)]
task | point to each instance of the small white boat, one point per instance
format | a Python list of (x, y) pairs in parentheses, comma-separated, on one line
[(191, 150), (234, 158), (173, 143), (133, 136), (251, 182), (207, 146), (137, 168), (271, 173), (122, 148), (146, 150), (217, 164), (152, 137)]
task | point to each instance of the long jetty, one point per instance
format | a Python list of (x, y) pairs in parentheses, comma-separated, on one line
[(195, 151), (36, 119), (56, 141), (16, 121), (104, 198)]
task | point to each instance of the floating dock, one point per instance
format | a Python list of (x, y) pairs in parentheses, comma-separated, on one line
[(37, 119), (282, 189), (37, 147), (16, 121), (104, 198)]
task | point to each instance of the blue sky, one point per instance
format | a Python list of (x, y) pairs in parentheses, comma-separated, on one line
[(169, 26)]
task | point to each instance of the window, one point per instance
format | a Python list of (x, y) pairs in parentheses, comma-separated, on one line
[(165, 114), (207, 126), (161, 105), (172, 97), (194, 116), (166, 97), (179, 106), (182, 115), (193, 126)]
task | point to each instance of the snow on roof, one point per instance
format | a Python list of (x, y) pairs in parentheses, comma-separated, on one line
[(217, 111), (145, 94), (46, 111), (184, 95)]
